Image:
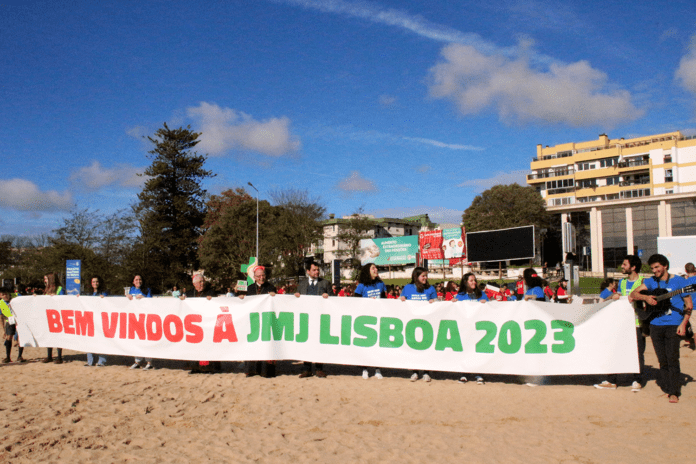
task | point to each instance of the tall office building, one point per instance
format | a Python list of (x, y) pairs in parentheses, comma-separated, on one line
[(620, 194)]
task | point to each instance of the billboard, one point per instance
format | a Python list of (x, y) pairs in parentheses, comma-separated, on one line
[(386, 251), (500, 245), (446, 243)]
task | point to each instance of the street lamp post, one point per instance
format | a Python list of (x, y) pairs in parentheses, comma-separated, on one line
[(257, 222)]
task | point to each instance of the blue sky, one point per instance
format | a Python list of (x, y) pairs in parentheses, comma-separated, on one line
[(404, 107)]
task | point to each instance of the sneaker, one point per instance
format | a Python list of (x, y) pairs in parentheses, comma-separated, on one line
[(414, 376), (101, 365), (88, 365), (366, 375), (149, 367), (606, 385), (426, 377), (636, 386), (135, 366), (479, 380), (378, 374), (531, 384), (21, 360), (6, 360), (463, 379), (58, 361)]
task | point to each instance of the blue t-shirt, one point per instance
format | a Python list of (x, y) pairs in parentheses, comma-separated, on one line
[(606, 293), (671, 317), (466, 296), (538, 292), (137, 291), (376, 290), (410, 293)]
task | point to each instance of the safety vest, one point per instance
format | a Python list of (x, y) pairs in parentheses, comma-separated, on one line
[(624, 283), (5, 309)]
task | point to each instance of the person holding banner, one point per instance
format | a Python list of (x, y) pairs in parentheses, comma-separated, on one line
[(53, 287), (469, 291), (97, 290), (370, 286), (201, 289), (562, 295), (313, 285), (260, 287), (420, 290), (9, 325), (534, 286), (137, 291), (669, 325)]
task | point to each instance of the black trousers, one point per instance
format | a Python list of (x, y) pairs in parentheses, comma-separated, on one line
[(666, 343), (317, 366)]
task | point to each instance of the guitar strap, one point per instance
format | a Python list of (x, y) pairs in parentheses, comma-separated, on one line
[(671, 306)]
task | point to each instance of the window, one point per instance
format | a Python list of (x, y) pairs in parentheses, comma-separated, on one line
[(587, 183), (614, 180), (586, 166), (668, 175), (608, 162), (635, 193)]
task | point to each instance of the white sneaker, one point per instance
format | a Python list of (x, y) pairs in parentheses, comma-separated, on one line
[(135, 366), (479, 380), (606, 385), (463, 379), (148, 367), (366, 375), (636, 387), (426, 377), (414, 376), (531, 384), (378, 374)]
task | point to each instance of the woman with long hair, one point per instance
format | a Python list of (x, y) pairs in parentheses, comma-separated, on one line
[(97, 290), (451, 291), (419, 290), (52, 286), (469, 291), (137, 291), (370, 286), (534, 283)]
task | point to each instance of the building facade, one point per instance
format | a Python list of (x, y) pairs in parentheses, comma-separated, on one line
[(621, 194)]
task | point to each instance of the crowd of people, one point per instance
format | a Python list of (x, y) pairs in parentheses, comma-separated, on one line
[(666, 324)]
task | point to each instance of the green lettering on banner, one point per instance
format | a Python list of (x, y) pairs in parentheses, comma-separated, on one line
[(534, 345), (448, 336), (427, 331), (304, 328), (510, 330), (254, 327), (325, 337), (390, 332), (485, 345), (565, 336), (284, 322), (368, 333), (346, 329)]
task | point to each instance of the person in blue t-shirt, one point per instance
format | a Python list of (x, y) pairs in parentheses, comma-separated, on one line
[(420, 290), (137, 291), (535, 289), (370, 286), (669, 325), (97, 290), (469, 291), (608, 290)]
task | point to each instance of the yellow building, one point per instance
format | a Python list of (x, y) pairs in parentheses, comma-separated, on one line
[(633, 191)]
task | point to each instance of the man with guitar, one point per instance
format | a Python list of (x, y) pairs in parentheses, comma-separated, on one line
[(670, 320), (631, 267)]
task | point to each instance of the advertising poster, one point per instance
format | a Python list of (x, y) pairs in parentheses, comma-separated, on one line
[(72, 276), (430, 242), (386, 251)]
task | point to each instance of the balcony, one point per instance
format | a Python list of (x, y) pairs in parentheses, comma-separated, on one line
[(633, 163), (545, 175)]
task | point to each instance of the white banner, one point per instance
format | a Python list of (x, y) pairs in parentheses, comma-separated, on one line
[(523, 338)]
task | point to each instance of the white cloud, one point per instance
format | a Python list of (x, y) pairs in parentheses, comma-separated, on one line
[(387, 100), (24, 195), (437, 143), (423, 168), (500, 178), (356, 183), (225, 129), (96, 176), (436, 214), (686, 73), (138, 132), (573, 93)]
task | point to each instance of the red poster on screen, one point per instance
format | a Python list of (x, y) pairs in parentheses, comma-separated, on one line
[(430, 243)]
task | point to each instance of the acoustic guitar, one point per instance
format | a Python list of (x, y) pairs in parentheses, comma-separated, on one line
[(645, 311)]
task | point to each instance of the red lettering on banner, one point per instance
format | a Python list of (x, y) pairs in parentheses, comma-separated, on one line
[(53, 317), (109, 327), (178, 334), (136, 324), (123, 325), (85, 323), (224, 329), (195, 332), (154, 327), (68, 321)]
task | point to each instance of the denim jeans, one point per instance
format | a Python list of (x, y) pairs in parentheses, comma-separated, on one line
[(101, 360)]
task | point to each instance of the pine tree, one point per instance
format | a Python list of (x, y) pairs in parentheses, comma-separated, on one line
[(171, 208)]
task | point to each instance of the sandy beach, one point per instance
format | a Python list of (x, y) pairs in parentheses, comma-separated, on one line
[(69, 412)]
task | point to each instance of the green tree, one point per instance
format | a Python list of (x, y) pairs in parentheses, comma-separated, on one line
[(350, 233), (506, 206), (171, 208)]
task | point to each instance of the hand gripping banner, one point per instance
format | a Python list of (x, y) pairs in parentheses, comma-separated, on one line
[(521, 338)]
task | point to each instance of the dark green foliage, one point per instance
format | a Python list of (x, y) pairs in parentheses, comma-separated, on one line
[(505, 206)]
